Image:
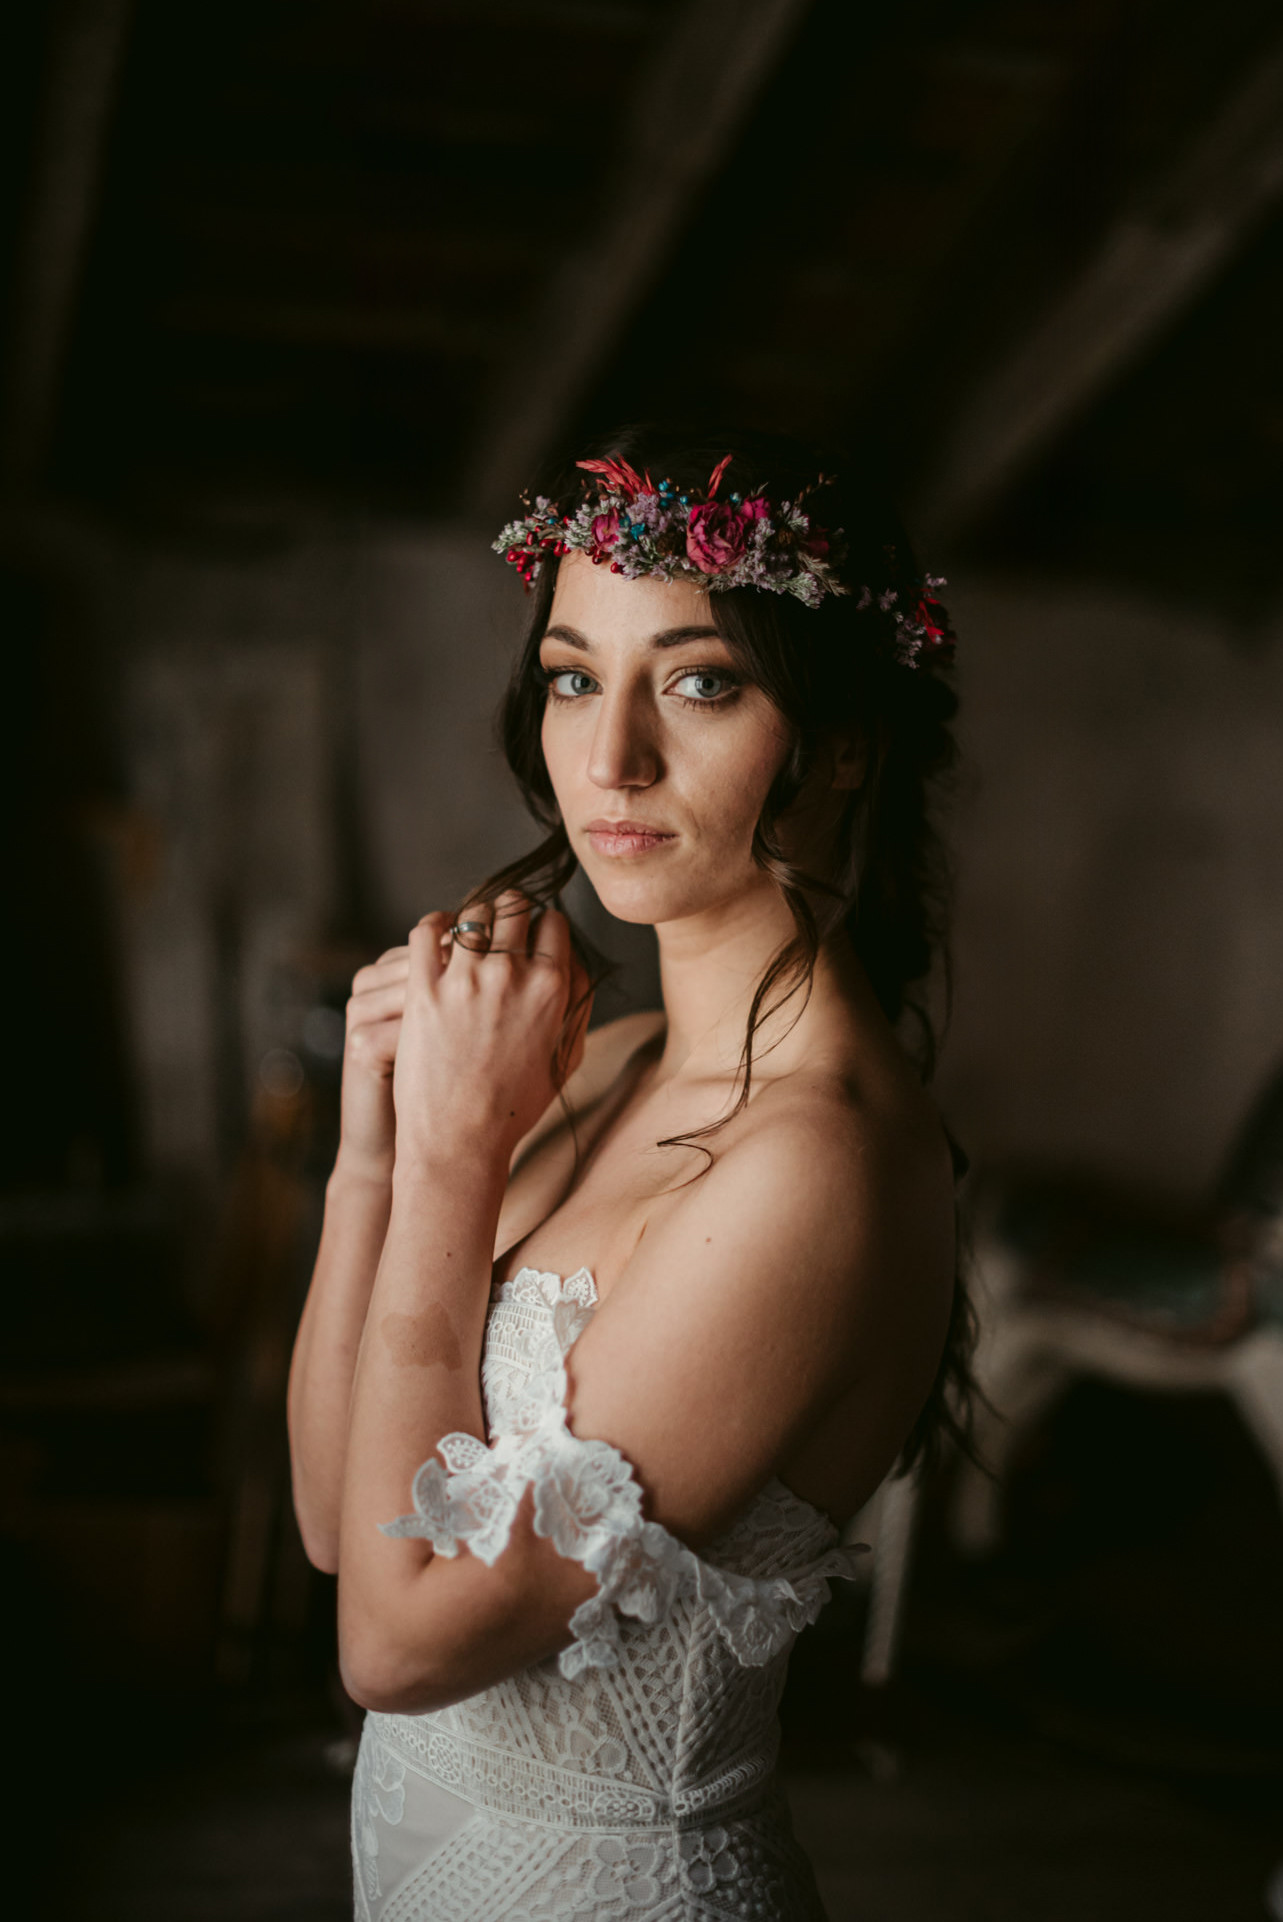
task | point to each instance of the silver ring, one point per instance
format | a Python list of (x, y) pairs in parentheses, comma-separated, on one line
[(471, 927)]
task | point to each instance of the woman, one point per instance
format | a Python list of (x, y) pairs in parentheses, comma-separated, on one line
[(637, 1320)]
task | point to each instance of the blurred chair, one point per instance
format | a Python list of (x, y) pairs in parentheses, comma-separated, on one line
[(1070, 1286), (886, 1523)]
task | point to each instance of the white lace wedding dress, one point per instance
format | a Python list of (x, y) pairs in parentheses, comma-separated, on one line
[(631, 1777)]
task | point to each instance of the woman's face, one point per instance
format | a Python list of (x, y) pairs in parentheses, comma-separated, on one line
[(660, 754)]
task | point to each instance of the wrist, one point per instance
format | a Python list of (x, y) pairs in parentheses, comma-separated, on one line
[(356, 1171), (467, 1158)]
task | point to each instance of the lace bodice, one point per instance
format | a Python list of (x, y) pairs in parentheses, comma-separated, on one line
[(631, 1776)]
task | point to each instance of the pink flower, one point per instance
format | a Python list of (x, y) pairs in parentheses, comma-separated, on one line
[(716, 536), (754, 510), (605, 530)]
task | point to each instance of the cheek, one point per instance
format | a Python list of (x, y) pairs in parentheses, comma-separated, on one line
[(735, 772)]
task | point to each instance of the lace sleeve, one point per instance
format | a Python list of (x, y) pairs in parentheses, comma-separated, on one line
[(587, 1502)]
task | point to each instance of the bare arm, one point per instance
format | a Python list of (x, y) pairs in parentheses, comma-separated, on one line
[(483, 1047), (808, 1265), (357, 1206), (358, 1201), (358, 1209)]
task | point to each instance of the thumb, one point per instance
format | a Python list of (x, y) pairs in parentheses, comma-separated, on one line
[(429, 947)]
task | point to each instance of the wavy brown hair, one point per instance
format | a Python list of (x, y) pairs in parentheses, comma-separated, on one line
[(832, 671)]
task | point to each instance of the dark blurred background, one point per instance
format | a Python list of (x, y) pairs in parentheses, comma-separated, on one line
[(297, 295)]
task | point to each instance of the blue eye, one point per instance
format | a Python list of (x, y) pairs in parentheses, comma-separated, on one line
[(703, 685), (570, 683)]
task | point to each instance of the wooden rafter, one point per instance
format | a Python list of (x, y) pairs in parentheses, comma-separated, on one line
[(1152, 263), (690, 102)]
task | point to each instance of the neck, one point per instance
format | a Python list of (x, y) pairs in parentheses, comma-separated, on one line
[(710, 968)]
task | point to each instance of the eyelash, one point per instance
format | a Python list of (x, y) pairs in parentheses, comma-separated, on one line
[(734, 683)]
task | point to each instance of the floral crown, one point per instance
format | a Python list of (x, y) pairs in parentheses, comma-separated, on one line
[(644, 528)]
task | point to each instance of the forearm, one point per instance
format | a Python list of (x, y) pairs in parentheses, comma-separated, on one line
[(357, 1207), (418, 1373)]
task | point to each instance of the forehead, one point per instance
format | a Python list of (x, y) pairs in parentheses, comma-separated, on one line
[(605, 606)]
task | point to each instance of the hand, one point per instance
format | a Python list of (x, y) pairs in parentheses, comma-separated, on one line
[(367, 1140), (491, 1029)]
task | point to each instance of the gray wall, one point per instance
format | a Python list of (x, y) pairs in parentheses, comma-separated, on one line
[(324, 711), (1120, 925)]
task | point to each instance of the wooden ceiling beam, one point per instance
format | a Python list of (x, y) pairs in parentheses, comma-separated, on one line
[(691, 100), (86, 53), (1153, 262)]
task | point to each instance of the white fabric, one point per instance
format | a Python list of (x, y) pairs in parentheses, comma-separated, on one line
[(631, 1777)]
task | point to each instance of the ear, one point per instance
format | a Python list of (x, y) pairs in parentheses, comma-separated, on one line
[(850, 764)]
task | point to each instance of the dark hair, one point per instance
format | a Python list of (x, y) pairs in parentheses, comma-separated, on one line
[(830, 670)]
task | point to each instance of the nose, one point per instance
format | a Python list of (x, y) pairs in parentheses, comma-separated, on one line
[(625, 750)]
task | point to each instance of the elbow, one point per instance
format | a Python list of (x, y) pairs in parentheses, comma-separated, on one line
[(320, 1547), (371, 1687), (319, 1536), (385, 1665), (386, 1680), (320, 1541)]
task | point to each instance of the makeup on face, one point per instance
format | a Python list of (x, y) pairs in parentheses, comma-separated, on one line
[(659, 748), (625, 839)]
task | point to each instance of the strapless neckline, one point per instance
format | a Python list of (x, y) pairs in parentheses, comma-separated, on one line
[(580, 1288), (630, 1775), (581, 1285)]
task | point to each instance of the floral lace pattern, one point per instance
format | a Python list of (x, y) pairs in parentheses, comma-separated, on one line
[(632, 1776), (588, 1503)]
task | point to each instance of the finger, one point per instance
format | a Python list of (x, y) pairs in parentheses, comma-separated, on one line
[(376, 1004), (473, 927), (375, 1043), (393, 954), (511, 931), (552, 939), (429, 947), (378, 974), (580, 980)]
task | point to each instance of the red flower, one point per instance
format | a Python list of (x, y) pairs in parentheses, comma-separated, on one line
[(716, 536), (931, 616)]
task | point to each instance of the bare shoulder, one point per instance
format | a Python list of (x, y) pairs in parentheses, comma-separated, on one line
[(852, 1184), (802, 1279), (827, 1141)]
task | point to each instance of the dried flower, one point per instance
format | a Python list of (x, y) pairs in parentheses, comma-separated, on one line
[(643, 529)]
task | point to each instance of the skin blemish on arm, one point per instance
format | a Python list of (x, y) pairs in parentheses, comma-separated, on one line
[(423, 1340)]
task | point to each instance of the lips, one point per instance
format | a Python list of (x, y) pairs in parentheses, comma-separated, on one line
[(626, 837)]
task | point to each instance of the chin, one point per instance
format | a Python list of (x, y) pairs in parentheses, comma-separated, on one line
[(648, 900)]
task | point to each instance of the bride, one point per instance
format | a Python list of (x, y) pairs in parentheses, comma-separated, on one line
[(609, 1332)]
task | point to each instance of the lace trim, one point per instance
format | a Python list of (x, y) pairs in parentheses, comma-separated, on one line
[(538, 1791), (588, 1503)]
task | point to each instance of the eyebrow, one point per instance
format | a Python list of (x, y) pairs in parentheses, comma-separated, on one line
[(666, 637)]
